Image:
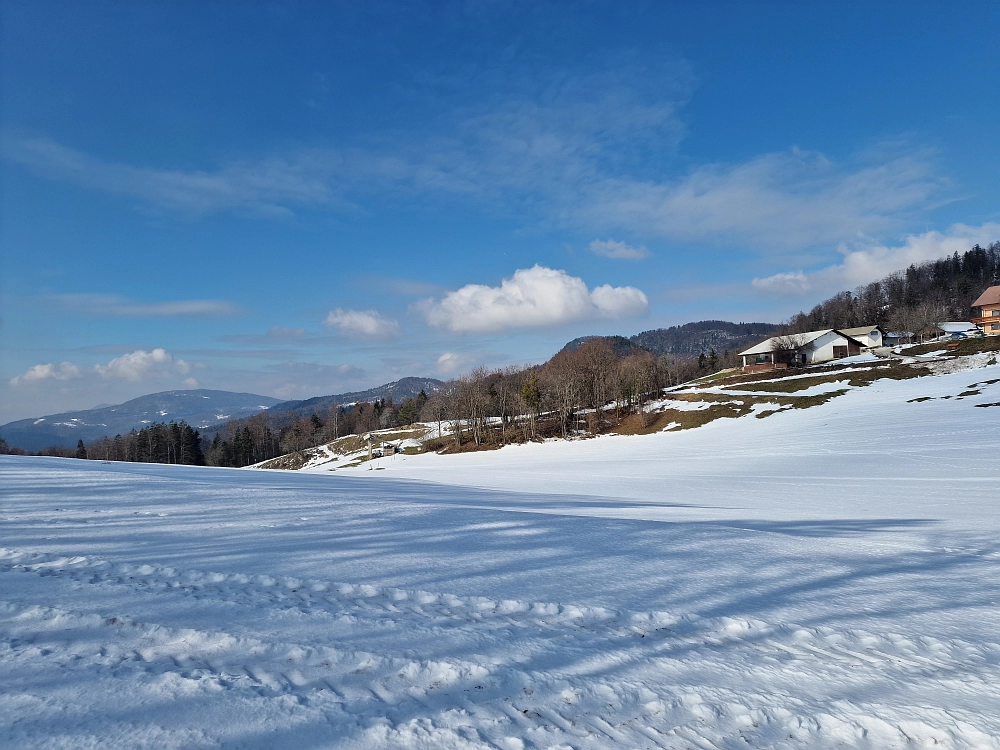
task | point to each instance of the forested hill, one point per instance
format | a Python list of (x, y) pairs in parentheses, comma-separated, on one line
[(688, 340), (691, 339), (397, 390), (620, 345), (910, 300)]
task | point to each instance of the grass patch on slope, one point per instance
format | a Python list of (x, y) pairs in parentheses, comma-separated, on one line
[(965, 347), (856, 376), (722, 406)]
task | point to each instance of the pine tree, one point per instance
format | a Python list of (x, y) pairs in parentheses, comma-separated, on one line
[(81, 449)]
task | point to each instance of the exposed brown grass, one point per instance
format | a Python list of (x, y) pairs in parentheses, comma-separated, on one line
[(964, 348), (290, 461), (724, 407), (856, 376)]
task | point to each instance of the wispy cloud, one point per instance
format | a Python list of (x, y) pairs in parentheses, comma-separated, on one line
[(866, 262), (593, 151), (614, 249), (108, 305), (267, 187), (362, 323), (273, 335), (773, 202), (531, 298)]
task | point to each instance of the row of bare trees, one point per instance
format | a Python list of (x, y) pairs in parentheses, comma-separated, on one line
[(589, 390)]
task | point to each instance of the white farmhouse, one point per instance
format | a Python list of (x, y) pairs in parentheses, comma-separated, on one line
[(869, 336), (800, 349)]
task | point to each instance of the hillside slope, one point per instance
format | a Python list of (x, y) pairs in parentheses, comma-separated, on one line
[(691, 339), (200, 408), (397, 390), (823, 577)]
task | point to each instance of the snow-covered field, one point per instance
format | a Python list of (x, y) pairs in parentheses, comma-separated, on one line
[(826, 577)]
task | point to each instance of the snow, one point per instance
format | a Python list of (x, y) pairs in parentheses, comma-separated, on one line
[(824, 577)]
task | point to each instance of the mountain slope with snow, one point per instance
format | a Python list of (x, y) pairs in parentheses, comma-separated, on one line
[(200, 408), (822, 577)]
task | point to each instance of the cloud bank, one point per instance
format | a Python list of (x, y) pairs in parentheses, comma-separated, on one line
[(136, 366), (49, 371), (862, 265), (362, 323), (531, 298)]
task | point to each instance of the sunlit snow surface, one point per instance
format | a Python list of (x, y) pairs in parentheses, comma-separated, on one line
[(827, 577)]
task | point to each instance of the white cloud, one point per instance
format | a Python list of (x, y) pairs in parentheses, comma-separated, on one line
[(862, 265), (140, 364), (788, 284), (449, 362), (362, 323), (62, 371), (532, 297), (614, 249), (190, 383), (109, 305)]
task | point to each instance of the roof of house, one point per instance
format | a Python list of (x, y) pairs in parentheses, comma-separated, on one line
[(990, 297), (862, 331), (797, 340), (954, 327)]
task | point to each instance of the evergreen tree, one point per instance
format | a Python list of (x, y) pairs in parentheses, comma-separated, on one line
[(81, 449)]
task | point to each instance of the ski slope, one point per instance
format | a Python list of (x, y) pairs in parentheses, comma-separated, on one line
[(819, 578)]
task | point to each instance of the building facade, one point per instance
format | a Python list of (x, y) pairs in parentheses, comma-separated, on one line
[(987, 311)]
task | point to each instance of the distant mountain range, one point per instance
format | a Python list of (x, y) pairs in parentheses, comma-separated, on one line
[(204, 410), (208, 411), (688, 340)]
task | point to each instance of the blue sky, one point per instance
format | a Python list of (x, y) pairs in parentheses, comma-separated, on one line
[(298, 199)]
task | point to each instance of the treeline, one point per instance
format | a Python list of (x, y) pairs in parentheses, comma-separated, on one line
[(243, 442), (910, 301), (158, 443)]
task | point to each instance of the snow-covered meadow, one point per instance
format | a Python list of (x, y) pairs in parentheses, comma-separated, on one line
[(824, 577)]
